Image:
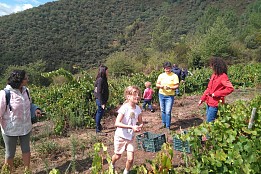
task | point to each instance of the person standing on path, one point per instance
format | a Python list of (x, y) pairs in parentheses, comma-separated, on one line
[(101, 94), (218, 87), (15, 118), (128, 121), (167, 83), (147, 97), (178, 72)]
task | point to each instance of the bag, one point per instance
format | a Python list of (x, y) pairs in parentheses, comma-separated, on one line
[(8, 97)]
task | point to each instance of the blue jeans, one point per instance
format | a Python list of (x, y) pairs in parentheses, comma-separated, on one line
[(211, 113), (166, 103), (145, 102), (98, 116)]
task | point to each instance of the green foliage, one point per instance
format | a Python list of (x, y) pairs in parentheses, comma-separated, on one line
[(81, 33), (54, 171), (5, 169), (71, 105), (215, 42), (120, 64), (47, 148), (231, 147), (33, 70), (161, 35), (100, 155)]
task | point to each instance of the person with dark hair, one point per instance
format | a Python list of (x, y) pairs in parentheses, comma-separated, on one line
[(167, 83), (101, 94), (15, 119), (177, 71), (184, 74), (218, 87)]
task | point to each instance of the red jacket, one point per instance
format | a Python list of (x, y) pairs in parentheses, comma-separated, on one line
[(220, 86)]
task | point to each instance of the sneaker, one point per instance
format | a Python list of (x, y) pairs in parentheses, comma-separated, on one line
[(152, 110)]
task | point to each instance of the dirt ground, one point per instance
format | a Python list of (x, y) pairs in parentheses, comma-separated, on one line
[(185, 114)]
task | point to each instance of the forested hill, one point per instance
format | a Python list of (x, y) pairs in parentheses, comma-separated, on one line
[(82, 32)]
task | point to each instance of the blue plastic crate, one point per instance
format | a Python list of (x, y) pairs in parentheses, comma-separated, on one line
[(179, 145), (150, 142)]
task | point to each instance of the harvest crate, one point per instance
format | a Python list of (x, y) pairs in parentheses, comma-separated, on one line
[(180, 145), (150, 142)]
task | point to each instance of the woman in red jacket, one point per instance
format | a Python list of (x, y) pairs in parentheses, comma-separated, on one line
[(219, 86)]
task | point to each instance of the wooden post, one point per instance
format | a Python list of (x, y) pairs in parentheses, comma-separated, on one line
[(251, 121)]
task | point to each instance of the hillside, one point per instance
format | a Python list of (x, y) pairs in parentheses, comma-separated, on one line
[(82, 32)]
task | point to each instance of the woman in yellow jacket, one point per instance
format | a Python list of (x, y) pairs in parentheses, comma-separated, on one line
[(167, 83)]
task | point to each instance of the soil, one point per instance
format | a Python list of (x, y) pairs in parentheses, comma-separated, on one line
[(56, 152)]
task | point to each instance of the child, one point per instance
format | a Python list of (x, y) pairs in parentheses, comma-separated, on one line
[(147, 96), (128, 115)]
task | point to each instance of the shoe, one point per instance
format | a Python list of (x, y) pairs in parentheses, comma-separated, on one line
[(152, 110)]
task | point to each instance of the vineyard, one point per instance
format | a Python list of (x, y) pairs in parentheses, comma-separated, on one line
[(231, 148)]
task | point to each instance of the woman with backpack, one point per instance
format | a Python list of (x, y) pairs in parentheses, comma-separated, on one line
[(15, 118)]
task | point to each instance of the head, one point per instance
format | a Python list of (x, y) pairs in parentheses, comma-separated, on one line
[(132, 93), (218, 65), (175, 65), (102, 72), (17, 79), (147, 84), (167, 67)]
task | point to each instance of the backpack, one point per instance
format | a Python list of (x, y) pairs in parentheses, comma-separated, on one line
[(8, 97)]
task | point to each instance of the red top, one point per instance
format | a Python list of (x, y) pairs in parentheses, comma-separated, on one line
[(220, 86), (148, 92)]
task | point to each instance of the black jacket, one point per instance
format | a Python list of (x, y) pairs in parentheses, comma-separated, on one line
[(101, 90)]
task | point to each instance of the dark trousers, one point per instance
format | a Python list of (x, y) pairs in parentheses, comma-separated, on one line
[(147, 102), (98, 116)]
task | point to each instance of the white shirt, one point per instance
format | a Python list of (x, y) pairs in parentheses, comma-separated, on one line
[(16, 122), (130, 117)]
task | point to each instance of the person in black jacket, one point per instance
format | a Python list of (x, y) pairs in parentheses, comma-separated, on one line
[(177, 71), (101, 94)]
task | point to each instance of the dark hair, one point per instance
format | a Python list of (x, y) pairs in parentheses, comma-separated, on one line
[(102, 72), (167, 64), (218, 65), (16, 78)]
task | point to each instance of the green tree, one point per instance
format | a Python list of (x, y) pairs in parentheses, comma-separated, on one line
[(215, 42), (120, 63), (161, 36)]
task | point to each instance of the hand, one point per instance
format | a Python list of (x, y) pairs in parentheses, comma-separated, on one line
[(166, 87), (136, 128), (38, 113), (103, 106)]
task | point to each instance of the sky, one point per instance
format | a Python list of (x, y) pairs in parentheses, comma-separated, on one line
[(13, 6)]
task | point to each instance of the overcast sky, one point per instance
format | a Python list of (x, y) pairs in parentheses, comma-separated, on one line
[(13, 6)]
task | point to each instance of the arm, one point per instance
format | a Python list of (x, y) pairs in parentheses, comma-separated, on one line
[(228, 88), (35, 110), (140, 121), (2, 104)]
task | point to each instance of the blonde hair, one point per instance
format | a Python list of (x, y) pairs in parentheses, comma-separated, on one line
[(131, 90), (147, 84)]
